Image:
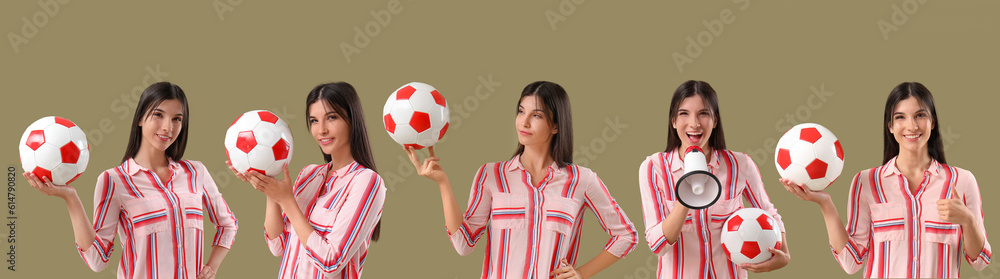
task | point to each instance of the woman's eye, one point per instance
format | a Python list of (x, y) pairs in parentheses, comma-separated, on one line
[(683, 113)]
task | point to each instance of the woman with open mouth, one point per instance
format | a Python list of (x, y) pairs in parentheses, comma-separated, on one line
[(687, 240)]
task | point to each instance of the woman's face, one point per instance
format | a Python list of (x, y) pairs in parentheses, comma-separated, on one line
[(911, 125), (694, 123), (532, 125), (329, 129), (162, 124)]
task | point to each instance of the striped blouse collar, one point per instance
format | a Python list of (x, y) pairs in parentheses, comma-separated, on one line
[(515, 163), (891, 169), (342, 171), (131, 167)]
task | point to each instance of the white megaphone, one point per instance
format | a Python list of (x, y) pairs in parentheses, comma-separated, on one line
[(698, 188)]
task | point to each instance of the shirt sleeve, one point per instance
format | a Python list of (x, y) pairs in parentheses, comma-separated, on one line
[(218, 210), (611, 217), (477, 214), (972, 199), (851, 256), (654, 207), (351, 228), (755, 193), (107, 209)]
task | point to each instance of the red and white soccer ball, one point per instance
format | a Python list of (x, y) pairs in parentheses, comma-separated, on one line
[(416, 115), (259, 141), (809, 154), (747, 235), (54, 148)]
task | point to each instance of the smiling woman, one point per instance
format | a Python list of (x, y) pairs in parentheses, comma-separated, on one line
[(914, 205), (322, 224), (154, 199)]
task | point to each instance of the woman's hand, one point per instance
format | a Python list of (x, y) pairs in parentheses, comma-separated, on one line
[(239, 175), (566, 271), (46, 187), (430, 168), (206, 273), (803, 192), (279, 191), (953, 210), (778, 260)]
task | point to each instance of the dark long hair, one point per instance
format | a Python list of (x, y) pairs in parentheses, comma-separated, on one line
[(717, 140), (555, 105), (935, 146), (151, 98), (342, 97)]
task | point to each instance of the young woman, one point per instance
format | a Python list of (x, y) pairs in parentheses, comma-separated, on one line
[(321, 225), (154, 200), (532, 205), (914, 215), (687, 240)]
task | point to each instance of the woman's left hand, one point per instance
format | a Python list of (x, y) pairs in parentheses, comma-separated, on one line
[(953, 210), (277, 190), (567, 271), (206, 273), (778, 260)]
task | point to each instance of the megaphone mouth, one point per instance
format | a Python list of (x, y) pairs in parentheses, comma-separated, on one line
[(715, 198)]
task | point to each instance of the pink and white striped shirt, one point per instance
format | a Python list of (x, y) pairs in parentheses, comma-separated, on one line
[(697, 252), (529, 229), (343, 210), (897, 233), (160, 222)]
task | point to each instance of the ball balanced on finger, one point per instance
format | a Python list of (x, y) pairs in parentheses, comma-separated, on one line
[(416, 115)]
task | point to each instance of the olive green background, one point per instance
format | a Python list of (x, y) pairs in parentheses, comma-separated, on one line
[(615, 59)]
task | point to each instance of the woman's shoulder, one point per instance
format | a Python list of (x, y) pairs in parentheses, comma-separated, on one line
[(960, 172), (656, 159)]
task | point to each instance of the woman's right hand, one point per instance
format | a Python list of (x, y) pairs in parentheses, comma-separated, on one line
[(46, 187), (430, 168), (804, 193), (239, 175)]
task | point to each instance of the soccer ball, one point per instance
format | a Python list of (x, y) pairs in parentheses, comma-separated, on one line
[(54, 148), (259, 141), (416, 115), (747, 234), (809, 154)]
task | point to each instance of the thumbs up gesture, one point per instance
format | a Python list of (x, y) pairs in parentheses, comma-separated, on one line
[(954, 210)]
